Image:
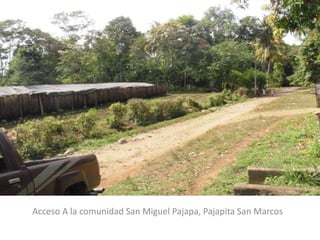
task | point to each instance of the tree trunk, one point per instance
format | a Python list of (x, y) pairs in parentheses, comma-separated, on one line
[(318, 99), (255, 78), (268, 73)]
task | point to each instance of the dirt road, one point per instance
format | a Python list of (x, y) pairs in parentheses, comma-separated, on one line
[(119, 161)]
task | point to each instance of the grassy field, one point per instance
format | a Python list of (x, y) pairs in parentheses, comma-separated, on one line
[(304, 98), (291, 143)]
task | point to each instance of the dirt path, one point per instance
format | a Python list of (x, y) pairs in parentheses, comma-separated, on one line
[(228, 158), (118, 161)]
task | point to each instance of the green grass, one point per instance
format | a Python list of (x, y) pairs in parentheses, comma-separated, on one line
[(304, 98), (296, 179), (289, 146)]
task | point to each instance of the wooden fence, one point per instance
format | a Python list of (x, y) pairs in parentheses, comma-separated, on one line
[(41, 100)]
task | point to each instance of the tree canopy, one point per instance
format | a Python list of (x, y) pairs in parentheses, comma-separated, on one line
[(216, 51), (292, 15)]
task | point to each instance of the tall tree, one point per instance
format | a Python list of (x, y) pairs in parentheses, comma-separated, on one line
[(267, 48), (309, 59), (248, 29), (142, 65), (95, 61), (193, 52), (292, 15), (11, 36), (189, 21), (217, 25), (165, 43), (228, 57), (296, 15), (34, 60), (73, 24), (176, 49), (123, 34)]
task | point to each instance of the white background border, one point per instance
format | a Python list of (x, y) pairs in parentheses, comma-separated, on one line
[(298, 221)]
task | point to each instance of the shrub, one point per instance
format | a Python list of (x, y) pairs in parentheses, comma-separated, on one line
[(119, 111), (234, 97), (168, 110), (227, 95), (144, 113), (29, 140), (140, 112), (242, 92), (51, 128), (86, 122), (175, 109), (216, 100), (194, 105), (39, 138)]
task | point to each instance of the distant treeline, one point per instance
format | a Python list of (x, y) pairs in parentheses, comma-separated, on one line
[(218, 52)]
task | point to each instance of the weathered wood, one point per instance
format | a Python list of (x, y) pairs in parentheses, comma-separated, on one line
[(258, 189), (41, 105), (20, 107), (258, 175), (41, 99)]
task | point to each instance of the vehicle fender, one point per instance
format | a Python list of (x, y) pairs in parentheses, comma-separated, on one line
[(71, 178)]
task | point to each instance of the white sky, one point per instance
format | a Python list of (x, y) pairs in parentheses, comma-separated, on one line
[(143, 13)]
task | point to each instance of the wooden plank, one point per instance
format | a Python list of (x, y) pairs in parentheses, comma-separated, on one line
[(41, 104), (258, 175)]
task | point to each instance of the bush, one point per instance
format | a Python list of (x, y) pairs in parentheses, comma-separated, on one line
[(242, 92), (216, 100), (119, 111), (39, 138), (29, 140), (144, 113), (140, 112), (194, 105), (85, 123), (227, 95), (168, 110), (234, 97), (51, 128), (174, 109)]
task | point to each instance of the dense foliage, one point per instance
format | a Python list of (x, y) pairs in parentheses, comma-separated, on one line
[(301, 17), (218, 51)]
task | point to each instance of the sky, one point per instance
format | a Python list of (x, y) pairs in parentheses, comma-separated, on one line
[(143, 13)]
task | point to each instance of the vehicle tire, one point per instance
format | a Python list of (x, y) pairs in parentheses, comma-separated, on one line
[(76, 189)]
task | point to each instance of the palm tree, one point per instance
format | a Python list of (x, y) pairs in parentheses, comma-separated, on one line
[(268, 48)]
